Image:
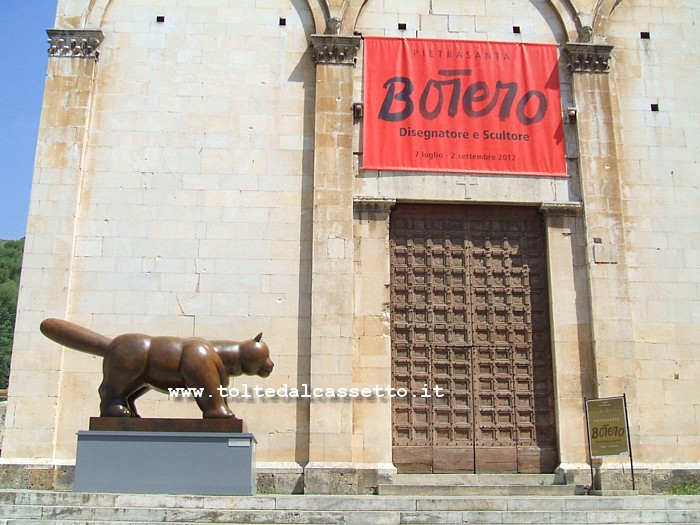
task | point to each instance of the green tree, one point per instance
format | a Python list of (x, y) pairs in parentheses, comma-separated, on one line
[(10, 269)]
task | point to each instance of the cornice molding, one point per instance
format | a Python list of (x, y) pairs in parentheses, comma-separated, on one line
[(588, 58), (335, 49), (373, 204), (74, 43), (562, 208)]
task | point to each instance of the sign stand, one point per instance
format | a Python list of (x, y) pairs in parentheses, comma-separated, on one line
[(608, 430)]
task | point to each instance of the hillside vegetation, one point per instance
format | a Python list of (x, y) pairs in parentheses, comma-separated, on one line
[(10, 268)]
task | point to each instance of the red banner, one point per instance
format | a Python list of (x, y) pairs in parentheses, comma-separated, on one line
[(462, 106)]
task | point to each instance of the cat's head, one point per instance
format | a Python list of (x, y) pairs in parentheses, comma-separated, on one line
[(255, 357)]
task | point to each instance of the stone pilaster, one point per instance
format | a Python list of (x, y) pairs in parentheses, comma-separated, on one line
[(331, 360), (611, 321), (34, 400), (572, 354), (372, 421)]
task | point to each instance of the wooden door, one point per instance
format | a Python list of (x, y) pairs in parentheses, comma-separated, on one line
[(470, 315)]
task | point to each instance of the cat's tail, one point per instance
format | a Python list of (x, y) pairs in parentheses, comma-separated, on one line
[(75, 336)]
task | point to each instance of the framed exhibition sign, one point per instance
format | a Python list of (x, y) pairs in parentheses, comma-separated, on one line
[(608, 431), (462, 106), (607, 427)]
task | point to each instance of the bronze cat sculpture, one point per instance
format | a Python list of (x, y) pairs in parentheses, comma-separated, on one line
[(133, 364)]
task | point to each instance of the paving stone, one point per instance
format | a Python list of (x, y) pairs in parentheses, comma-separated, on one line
[(20, 511), (346, 503), (428, 504), (431, 518)]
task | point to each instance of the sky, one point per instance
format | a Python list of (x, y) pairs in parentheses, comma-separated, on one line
[(22, 73)]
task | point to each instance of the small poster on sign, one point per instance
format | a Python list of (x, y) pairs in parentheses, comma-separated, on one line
[(607, 427)]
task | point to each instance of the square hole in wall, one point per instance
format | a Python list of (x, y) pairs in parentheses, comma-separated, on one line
[(516, 30), (645, 35), (655, 107), (160, 19), (402, 26), (283, 21)]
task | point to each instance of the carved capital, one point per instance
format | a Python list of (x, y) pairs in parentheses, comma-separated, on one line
[(74, 43), (588, 58), (376, 205), (335, 49)]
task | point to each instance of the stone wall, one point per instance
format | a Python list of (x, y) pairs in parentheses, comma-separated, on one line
[(656, 112)]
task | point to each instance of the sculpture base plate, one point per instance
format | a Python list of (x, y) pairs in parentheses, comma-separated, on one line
[(156, 424)]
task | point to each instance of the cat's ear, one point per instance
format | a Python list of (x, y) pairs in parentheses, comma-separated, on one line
[(258, 337)]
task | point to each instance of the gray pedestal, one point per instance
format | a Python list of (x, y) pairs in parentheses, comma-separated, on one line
[(165, 463)]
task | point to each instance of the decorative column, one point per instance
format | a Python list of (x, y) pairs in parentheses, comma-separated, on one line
[(37, 365), (330, 468), (604, 216)]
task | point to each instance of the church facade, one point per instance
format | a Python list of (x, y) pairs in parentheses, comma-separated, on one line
[(453, 221)]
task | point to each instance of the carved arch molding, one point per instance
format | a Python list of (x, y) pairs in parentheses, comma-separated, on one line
[(340, 16)]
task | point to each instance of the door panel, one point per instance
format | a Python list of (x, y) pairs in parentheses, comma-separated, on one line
[(470, 315)]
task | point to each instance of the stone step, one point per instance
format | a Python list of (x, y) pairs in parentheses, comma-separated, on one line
[(477, 479), (478, 485), (68, 508), (398, 489)]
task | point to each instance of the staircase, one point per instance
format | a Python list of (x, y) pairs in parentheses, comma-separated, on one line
[(70, 508), (477, 485)]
